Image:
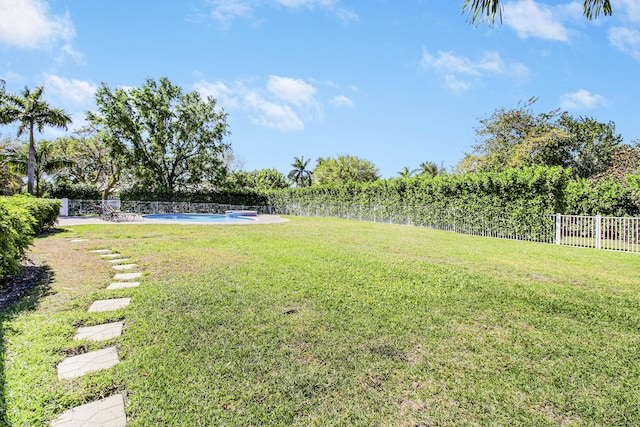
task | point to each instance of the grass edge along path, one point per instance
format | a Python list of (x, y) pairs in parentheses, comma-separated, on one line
[(332, 322)]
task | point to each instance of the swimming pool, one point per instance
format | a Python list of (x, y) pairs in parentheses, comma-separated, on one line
[(212, 218)]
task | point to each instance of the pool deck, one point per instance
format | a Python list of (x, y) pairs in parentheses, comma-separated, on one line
[(65, 221)]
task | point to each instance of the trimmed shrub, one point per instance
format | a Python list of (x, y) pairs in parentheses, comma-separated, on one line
[(21, 218), (605, 197), (80, 191), (223, 197)]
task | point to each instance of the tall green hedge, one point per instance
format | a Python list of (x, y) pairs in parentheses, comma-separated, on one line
[(21, 218), (80, 191), (223, 197), (605, 197), (520, 198)]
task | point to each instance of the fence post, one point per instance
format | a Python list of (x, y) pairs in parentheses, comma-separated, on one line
[(64, 207), (598, 231), (558, 229)]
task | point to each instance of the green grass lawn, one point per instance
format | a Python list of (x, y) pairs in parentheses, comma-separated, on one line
[(321, 322)]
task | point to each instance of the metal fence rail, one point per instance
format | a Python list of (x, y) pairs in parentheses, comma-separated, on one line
[(600, 232), (89, 207)]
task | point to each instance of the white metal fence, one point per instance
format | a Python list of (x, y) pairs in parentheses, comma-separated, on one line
[(88, 207), (600, 232)]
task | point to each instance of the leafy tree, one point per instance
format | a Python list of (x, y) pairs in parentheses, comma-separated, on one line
[(481, 10), (269, 179), (624, 162), (518, 138), (300, 175), (169, 140), (33, 113), (46, 164), (344, 169), (91, 161), (591, 146)]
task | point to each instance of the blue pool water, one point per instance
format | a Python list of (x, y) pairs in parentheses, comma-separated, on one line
[(196, 218)]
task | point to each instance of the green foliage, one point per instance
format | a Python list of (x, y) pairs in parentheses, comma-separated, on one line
[(21, 218), (75, 191), (47, 164), (488, 10), (10, 179), (168, 139), (605, 197), (34, 114), (518, 197), (91, 162), (300, 175), (344, 169), (226, 197), (270, 179), (519, 137)]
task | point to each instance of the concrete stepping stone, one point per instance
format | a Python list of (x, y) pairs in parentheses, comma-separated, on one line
[(107, 412), (109, 304), (119, 260), (77, 366), (127, 276), (122, 285), (114, 255), (78, 240), (124, 267), (100, 251), (100, 332)]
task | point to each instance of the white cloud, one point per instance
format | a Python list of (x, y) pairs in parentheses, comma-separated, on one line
[(530, 19), (272, 115), (227, 11), (342, 101), (29, 24), (626, 40), (225, 96), (293, 91), (73, 92), (629, 9), (460, 72), (282, 103), (581, 100)]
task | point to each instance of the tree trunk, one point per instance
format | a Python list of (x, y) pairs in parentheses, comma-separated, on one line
[(31, 163)]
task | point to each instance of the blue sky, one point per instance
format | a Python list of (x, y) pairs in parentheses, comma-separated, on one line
[(395, 82)]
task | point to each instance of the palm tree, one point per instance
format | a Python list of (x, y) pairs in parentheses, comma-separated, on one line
[(300, 175), (429, 169), (407, 173), (33, 114), (45, 162), (488, 9)]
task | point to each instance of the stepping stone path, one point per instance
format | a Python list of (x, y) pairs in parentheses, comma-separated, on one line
[(117, 261), (127, 276), (124, 266), (100, 332), (108, 305), (107, 412), (122, 285), (77, 366)]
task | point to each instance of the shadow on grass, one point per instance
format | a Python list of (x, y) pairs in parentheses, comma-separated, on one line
[(20, 293)]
